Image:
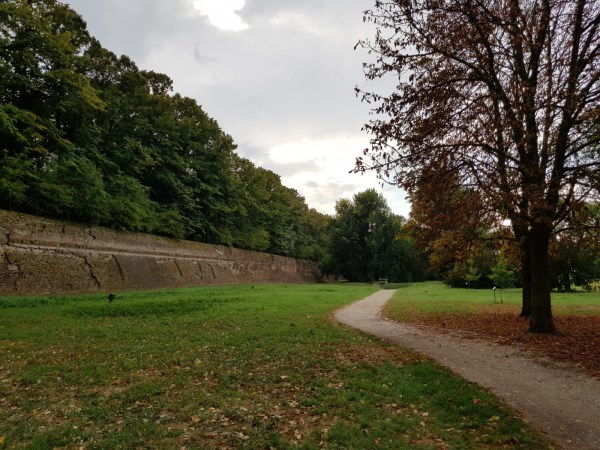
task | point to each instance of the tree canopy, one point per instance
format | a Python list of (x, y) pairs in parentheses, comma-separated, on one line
[(85, 135), (368, 242), (447, 219), (504, 93)]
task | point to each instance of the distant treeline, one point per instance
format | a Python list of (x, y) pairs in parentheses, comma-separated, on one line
[(87, 136)]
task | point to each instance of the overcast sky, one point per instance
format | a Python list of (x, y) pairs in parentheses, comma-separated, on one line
[(278, 76)]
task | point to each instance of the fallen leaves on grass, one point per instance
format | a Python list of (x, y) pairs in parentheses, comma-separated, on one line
[(576, 344), (372, 354)]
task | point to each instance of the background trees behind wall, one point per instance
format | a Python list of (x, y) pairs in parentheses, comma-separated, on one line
[(272, 217), (87, 136)]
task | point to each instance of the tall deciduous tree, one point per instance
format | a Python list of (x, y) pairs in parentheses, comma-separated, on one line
[(366, 242), (44, 102), (507, 92)]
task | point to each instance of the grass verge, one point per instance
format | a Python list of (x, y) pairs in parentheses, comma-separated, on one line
[(435, 297), (228, 367), (475, 313)]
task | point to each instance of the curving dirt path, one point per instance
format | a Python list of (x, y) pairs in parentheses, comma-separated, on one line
[(562, 403)]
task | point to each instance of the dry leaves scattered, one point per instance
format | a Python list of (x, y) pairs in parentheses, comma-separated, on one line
[(576, 344)]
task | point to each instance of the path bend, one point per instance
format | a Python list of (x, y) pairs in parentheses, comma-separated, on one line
[(570, 415)]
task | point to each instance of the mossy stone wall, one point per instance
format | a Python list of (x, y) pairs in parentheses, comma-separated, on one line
[(39, 256)]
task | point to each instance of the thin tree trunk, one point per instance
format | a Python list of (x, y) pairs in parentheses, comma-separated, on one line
[(567, 282), (526, 274), (540, 320)]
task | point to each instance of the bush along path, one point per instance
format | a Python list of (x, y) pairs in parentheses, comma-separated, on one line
[(562, 403)]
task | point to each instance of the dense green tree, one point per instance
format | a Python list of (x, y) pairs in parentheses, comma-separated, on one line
[(503, 276), (45, 101), (271, 217), (574, 251), (571, 263), (85, 135), (366, 242), (251, 231), (313, 237)]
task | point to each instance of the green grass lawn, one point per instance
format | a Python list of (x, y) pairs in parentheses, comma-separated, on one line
[(434, 297), (228, 367)]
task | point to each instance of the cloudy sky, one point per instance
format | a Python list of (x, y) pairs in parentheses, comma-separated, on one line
[(278, 76)]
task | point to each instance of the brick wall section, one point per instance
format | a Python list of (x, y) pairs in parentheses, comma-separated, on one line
[(39, 256)]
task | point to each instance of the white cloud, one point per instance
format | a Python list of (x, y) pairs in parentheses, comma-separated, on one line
[(223, 13), (283, 88), (302, 22), (324, 149), (328, 179)]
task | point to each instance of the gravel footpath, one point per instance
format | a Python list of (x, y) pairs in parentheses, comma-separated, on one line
[(560, 402)]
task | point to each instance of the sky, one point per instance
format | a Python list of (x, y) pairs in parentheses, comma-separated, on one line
[(277, 75)]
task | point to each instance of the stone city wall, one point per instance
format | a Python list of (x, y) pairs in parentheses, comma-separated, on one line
[(39, 256)]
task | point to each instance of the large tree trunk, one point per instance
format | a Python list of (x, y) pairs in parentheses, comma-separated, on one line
[(540, 320), (526, 274)]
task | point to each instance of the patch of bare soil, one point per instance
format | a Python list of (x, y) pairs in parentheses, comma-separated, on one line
[(576, 344)]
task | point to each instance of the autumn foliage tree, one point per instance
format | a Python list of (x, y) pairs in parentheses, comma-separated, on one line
[(447, 219), (507, 92)]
